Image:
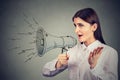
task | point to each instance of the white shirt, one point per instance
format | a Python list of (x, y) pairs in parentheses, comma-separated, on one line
[(79, 68)]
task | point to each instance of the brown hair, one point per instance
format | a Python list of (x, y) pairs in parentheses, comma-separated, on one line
[(89, 15)]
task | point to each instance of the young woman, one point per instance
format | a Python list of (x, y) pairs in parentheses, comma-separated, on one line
[(91, 59)]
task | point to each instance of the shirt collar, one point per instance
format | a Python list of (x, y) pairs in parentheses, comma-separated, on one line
[(92, 46)]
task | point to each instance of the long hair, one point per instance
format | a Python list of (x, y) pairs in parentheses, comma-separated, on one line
[(89, 15)]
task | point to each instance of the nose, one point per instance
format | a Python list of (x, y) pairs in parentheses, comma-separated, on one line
[(76, 29)]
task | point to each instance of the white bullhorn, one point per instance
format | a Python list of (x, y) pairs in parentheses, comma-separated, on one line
[(46, 42)]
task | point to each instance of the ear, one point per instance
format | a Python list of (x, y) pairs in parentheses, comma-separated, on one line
[(94, 27)]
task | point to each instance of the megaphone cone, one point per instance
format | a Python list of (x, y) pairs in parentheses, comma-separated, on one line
[(46, 42)]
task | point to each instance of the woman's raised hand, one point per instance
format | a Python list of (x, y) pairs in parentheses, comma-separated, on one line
[(94, 56)]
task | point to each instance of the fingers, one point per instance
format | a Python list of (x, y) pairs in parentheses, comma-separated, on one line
[(97, 51), (67, 55), (90, 58), (90, 55), (93, 56), (94, 52), (63, 58)]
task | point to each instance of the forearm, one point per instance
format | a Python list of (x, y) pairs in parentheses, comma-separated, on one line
[(104, 73), (105, 68), (53, 68), (104, 76)]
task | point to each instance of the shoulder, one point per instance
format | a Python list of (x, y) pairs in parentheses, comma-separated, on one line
[(110, 50)]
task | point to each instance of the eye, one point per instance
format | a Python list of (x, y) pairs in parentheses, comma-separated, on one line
[(80, 25), (74, 25)]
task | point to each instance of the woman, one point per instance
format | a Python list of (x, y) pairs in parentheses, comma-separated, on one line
[(91, 59)]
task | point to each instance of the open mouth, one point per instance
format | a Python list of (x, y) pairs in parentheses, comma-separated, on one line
[(80, 36)]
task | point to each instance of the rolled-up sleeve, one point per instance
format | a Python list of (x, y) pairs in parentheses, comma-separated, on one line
[(49, 69)]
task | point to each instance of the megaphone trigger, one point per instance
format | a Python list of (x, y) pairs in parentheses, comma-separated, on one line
[(64, 49)]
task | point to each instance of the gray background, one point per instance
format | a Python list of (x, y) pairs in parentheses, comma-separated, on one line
[(17, 16)]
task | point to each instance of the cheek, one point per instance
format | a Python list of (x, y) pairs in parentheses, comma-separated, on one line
[(87, 33)]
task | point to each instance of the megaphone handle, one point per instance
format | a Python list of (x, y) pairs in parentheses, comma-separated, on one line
[(64, 49)]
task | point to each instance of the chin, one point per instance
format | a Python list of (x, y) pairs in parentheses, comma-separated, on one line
[(81, 41)]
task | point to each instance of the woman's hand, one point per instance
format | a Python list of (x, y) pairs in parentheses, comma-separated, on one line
[(94, 56), (62, 60)]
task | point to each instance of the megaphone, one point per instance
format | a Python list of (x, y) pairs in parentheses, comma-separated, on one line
[(46, 41)]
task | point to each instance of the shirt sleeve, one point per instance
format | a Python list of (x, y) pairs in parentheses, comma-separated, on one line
[(107, 68), (49, 69)]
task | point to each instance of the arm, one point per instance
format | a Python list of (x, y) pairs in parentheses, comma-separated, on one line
[(106, 67), (56, 66)]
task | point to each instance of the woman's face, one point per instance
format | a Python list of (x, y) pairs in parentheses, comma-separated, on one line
[(84, 30)]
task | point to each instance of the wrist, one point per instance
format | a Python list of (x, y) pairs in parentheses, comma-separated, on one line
[(92, 66)]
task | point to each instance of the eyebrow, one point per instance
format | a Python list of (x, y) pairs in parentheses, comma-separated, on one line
[(79, 24)]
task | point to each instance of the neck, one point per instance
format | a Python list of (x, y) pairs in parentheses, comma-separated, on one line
[(87, 43)]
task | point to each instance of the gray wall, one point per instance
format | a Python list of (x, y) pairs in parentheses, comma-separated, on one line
[(17, 19)]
